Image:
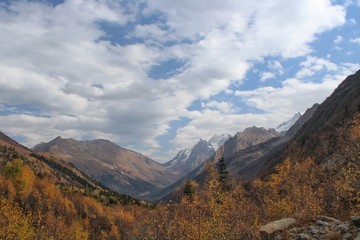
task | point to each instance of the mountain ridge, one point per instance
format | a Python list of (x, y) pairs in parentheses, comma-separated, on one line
[(120, 169)]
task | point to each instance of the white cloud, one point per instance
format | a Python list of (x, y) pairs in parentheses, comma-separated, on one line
[(54, 59), (222, 107), (276, 66), (266, 76), (314, 64), (355, 40), (296, 95), (338, 39), (352, 21)]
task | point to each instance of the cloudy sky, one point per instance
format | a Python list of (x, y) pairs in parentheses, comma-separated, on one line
[(155, 75)]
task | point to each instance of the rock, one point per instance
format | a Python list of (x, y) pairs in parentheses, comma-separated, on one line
[(358, 236), (343, 228), (328, 219), (314, 231), (355, 220), (267, 231), (303, 236), (322, 223), (348, 236), (325, 228)]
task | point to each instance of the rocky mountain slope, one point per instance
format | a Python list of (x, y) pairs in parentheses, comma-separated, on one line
[(343, 103), (249, 137), (120, 169)]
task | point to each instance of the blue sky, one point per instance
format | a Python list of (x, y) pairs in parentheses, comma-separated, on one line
[(155, 76)]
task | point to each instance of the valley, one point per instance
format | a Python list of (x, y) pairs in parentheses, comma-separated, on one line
[(311, 169)]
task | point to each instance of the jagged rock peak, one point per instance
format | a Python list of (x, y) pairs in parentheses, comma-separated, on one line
[(283, 127), (219, 139), (256, 130)]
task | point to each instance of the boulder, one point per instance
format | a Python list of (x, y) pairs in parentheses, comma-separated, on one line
[(355, 221), (303, 236), (268, 231), (328, 219)]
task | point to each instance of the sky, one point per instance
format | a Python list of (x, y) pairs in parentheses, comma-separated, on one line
[(154, 76)]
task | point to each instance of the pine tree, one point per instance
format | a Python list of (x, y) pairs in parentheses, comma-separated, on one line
[(189, 190), (223, 174)]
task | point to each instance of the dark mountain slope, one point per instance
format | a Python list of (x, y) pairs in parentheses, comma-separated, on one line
[(319, 132), (343, 103)]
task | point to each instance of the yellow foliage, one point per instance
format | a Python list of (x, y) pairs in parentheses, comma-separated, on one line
[(294, 190), (28, 178), (78, 231), (348, 187), (14, 224)]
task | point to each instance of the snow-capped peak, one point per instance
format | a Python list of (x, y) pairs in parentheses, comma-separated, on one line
[(182, 156), (217, 140), (283, 127)]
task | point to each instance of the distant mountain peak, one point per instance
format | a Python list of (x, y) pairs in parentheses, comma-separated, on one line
[(188, 159), (283, 127), (219, 139)]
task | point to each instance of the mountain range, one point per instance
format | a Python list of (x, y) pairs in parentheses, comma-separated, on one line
[(128, 172), (251, 153)]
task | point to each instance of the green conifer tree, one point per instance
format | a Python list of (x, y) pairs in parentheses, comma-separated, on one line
[(223, 174)]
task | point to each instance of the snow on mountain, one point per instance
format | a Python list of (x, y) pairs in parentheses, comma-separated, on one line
[(283, 127), (188, 159), (181, 157), (217, 140)]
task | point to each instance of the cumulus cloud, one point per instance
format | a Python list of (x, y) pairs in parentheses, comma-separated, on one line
[(58, 60), (296, 94), (314, 64)]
